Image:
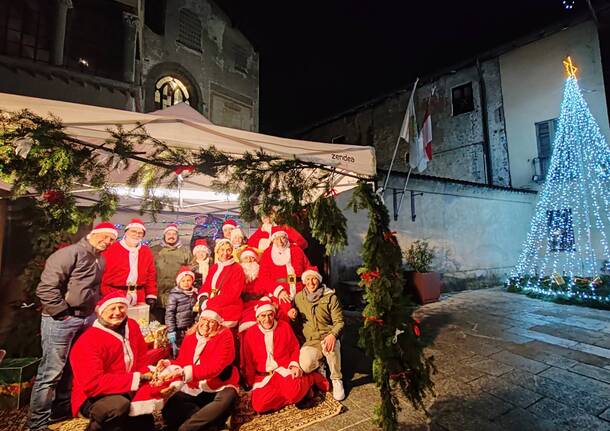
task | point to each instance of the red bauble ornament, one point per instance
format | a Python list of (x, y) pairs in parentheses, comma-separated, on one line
[(416, 330), (52, 196)]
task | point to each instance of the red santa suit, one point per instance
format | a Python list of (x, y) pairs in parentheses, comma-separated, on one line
[(207, 363), (130, 266), (261, 238), (266, 358), (223, 286), (281, 270), (106, 363)]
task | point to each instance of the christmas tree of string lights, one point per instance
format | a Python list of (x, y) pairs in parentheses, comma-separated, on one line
[(567, 245)]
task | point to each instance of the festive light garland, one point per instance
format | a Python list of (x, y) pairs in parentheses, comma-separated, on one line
[(568, 233), (212, 224)]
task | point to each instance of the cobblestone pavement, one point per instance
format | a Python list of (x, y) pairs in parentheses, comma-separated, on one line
[(505, 362)]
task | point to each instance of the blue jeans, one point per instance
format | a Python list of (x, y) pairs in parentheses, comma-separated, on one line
[(53, 385)]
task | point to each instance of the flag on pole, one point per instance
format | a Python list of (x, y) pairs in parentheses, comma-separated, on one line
[(426, 142), (408, 129)]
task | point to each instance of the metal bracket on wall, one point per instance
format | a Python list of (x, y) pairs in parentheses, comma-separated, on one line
[(398, 205)]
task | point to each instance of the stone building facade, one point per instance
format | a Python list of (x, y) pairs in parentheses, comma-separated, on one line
[(130, 54), (493, 120)]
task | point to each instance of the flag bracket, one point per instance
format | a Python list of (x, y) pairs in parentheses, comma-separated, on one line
[(398, 204)]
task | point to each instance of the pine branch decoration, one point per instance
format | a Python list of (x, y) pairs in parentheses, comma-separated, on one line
[(387, 333)]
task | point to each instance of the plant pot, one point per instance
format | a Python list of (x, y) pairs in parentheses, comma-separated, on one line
[(427, 285)]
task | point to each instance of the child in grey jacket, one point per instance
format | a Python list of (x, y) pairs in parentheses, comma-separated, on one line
[(179, 315)]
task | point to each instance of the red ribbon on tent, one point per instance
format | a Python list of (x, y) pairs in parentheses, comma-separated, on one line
[(186, 169)]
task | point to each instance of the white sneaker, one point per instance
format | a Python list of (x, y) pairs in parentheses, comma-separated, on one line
[(338, 391)]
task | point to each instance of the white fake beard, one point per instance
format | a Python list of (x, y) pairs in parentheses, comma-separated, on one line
[(280, 255), (251, 270)]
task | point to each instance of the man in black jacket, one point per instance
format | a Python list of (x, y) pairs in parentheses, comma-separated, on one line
[(68, 291)]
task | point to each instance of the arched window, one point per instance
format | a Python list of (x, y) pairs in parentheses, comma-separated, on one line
[(170, 91)]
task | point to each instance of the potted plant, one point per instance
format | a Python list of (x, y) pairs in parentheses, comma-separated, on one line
[(427, 284)]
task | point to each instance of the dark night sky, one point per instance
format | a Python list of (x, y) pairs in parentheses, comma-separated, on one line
[(320, 57)]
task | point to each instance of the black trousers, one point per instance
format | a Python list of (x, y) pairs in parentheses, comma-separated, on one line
[(111, 413), (158, 313), (206, 411)]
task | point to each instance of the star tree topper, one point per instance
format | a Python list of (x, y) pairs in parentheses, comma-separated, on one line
[(570, 67)]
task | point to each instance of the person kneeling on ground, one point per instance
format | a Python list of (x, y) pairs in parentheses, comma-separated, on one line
[(211, 381), (109, 365), (320, 313), (269, 360)]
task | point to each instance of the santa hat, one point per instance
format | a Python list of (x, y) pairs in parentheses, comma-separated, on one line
[(277, 231), (201, 245), (263, 305), (183, 272), (249, 251), (311, 271), (105, 227), (136, 223), (220, 242), (210, 314), (111, 298), (170, 227), (229, 224)]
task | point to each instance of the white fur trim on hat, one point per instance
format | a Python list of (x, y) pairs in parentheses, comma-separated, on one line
[(122, 300), (201, 247), (220, 242), (171, 227), (136, 225), (309, 273), (181, 275), (108, 231), (211, 314), (278, 234), (105, 227), (263, 308), (248, 252)]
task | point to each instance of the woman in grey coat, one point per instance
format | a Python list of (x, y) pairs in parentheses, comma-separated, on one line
[(179, 315)]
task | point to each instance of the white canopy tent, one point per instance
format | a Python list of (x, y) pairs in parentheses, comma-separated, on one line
[(183, 127)]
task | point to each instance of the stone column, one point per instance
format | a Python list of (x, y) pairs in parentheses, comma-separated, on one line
[(130, 27), (59, 34)]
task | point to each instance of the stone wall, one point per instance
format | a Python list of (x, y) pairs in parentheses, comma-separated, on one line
[(477, 231), (223, 73), (457, 139)]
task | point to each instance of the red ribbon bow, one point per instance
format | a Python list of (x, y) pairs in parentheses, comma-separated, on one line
[(368, 277), (184, 169), (373, 319), (390, 235)]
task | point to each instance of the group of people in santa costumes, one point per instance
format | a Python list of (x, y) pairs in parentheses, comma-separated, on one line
[(116, 388), (248, 301)]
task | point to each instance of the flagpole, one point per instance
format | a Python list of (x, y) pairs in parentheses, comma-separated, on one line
[(387, 177), (404, 190)]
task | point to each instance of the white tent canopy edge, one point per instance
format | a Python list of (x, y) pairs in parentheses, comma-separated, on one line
[(180, 128)]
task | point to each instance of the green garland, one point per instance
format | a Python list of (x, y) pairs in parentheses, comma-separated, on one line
[(390, 334), (301, 193)]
